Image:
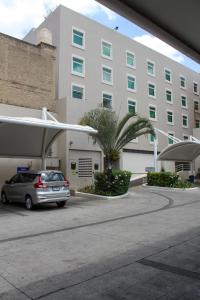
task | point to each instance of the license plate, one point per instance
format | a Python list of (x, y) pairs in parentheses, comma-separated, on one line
[(55, 188)]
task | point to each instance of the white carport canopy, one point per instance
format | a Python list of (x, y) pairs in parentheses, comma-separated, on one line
[(181, 151), (32, 137)]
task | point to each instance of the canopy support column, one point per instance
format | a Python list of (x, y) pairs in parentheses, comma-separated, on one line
[(44, 149), (155, 153)]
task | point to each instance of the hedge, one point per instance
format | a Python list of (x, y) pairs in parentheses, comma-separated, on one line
[(118, 184), (166, 179)]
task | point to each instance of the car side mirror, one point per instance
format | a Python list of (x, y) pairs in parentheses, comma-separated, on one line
[(7, 181)]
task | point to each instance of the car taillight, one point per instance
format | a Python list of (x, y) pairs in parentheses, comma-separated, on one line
[(39, 184), (66, 181)]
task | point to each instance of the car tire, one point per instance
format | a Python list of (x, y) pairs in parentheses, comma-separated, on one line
[(4, 199), (29, 203), (61, 203)]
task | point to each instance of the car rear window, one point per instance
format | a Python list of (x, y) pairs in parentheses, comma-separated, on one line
[(52, 176), (27, 177)]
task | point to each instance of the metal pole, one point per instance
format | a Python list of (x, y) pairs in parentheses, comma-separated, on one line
[(155, 153), (44, 149)]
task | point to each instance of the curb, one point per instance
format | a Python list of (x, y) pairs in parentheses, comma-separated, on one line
[(169, 188), (100, 197)]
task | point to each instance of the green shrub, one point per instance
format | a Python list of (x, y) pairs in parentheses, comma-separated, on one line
[(117, 186), (166, 179), (183, 184)]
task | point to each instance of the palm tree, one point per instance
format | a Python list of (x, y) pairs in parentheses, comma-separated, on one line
[(114, 134)]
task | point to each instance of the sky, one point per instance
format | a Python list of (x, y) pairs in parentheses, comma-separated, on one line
[(17, 17)]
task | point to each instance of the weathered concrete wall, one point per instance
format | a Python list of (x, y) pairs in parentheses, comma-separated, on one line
[(27, 73)]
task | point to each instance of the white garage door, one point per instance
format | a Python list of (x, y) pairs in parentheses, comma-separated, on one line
[(137, 162)]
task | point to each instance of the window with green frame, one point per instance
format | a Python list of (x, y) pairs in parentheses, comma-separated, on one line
[(183, 101), (151, 137), (185, 121), (170, 117), (131, 82), (152, 112), (197, 123), (107, 100), (168, 95), (77, 92), (130, 59), (107, 74), (106, 49), (78, 38), (196, 105), (150, 68), (168, 75), (170, 141), (182, 82), (131, 106), (78, 65), (151, 90)]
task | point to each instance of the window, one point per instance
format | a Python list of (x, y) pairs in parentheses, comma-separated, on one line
[(197, 123), (130, 59), (107, 75), (77, 92), (168, 96), (152, 113), (151, 138), (170, 117), (196, 105), (170, 141), (106, 49), (168, 75), (150, 68), (182, 82), (78, 67), (131, 83), (184, 101), (131, 106), (107, 100), (78, 38), (185, 121), (195, 87), (151, 90)]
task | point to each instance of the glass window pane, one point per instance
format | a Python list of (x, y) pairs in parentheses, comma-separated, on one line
[(77, 65), (107, 101), (77, 37), (131, 106), (151, 90), (130, 59), (150, 68), (107, 74), (131, 83), (77, 92), (106, 49), (170, 141)]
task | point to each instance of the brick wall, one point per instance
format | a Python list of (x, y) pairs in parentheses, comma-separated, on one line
[(27, 73)]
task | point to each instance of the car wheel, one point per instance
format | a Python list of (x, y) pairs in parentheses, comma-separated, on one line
[(4, 199), (29, 203), (61, 203)]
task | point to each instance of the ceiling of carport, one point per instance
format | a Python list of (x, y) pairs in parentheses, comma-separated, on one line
[(176, 22), (182, 151), (31, 137)]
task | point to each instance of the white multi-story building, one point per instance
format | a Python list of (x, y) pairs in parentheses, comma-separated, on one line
[(98, 66)]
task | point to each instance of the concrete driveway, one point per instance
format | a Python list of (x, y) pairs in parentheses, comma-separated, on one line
[(144, 246)]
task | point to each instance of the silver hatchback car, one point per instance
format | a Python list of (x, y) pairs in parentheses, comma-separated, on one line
[(36, 187)]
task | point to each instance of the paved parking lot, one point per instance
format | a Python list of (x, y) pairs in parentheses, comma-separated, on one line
[(144, 246)]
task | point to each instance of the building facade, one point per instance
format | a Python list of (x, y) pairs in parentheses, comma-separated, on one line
[(99, 67), (27, 83)]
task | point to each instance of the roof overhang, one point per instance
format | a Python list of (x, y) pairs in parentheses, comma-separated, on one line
[(182, 151), (32, 137), (175, 22)]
